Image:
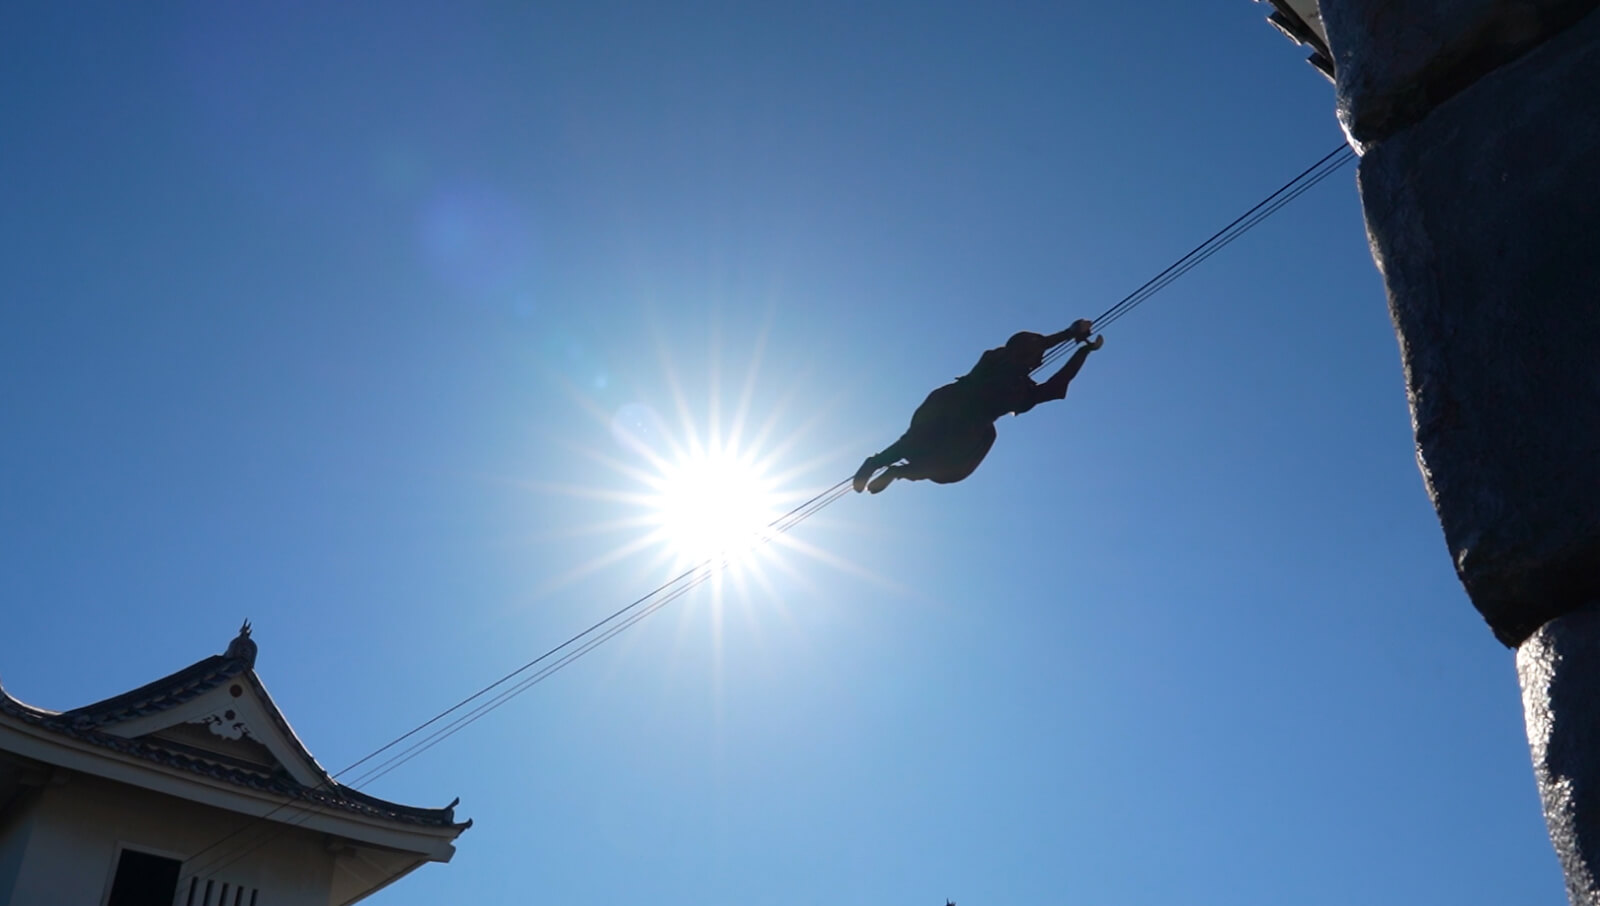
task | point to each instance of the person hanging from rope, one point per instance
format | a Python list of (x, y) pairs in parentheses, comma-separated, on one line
[(953, 429)]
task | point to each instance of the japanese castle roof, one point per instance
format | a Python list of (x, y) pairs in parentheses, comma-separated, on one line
[(214, 719)]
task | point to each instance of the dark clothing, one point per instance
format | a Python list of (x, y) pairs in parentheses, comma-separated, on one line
[(999, 384), (950, 433), (953, 429)]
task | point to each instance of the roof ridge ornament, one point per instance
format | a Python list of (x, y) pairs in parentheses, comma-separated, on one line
[(243, 647)]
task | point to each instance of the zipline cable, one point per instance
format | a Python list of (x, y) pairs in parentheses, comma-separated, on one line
[(777, 527), (1290, 190), (624, 618), (672, 589), (1283, 195), (783, 524), (706, 570)]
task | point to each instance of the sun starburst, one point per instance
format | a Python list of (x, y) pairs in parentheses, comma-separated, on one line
[(706, 489), (714, 502)]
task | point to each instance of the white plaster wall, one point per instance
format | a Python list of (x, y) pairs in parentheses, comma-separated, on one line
[(78, 827)]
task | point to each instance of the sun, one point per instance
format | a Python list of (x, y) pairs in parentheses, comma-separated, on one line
[(713, 503), (701, 482)]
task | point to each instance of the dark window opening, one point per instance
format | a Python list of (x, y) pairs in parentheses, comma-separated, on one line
[(144, 880)]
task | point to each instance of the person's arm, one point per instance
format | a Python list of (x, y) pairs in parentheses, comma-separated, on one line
[(1079, 331), (1056, 387)]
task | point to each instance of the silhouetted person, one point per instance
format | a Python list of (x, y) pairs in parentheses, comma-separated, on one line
[(953, 429)]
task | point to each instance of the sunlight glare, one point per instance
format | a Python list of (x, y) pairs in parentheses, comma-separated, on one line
[(714, 502)]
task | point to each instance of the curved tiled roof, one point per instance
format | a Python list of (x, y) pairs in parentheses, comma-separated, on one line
[(189, 683), (85, 725)]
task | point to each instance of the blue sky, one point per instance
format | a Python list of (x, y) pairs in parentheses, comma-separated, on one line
[(325, 315)]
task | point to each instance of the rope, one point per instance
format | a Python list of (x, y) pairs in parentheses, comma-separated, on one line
[(601, 631), (621, 620), (1289, 191)]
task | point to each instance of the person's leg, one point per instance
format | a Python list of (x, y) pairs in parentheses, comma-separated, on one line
[(949, 464), (890, 455), (929, 424), (965, 460), (877, 485)]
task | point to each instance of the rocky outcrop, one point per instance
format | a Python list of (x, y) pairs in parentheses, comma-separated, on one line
[(1484, 217)]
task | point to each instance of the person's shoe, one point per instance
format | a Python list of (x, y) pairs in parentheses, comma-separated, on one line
[(859, 482), (1081, 329), (881, 482), (1095, 343)]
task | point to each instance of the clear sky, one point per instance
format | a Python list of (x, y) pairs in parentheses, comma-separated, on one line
[(340, 316)]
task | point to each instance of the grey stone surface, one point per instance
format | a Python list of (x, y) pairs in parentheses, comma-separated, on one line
[(1395, 60), (1485, 220), (1559, 668)]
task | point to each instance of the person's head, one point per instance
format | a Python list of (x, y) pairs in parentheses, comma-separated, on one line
[(1028, 347)]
